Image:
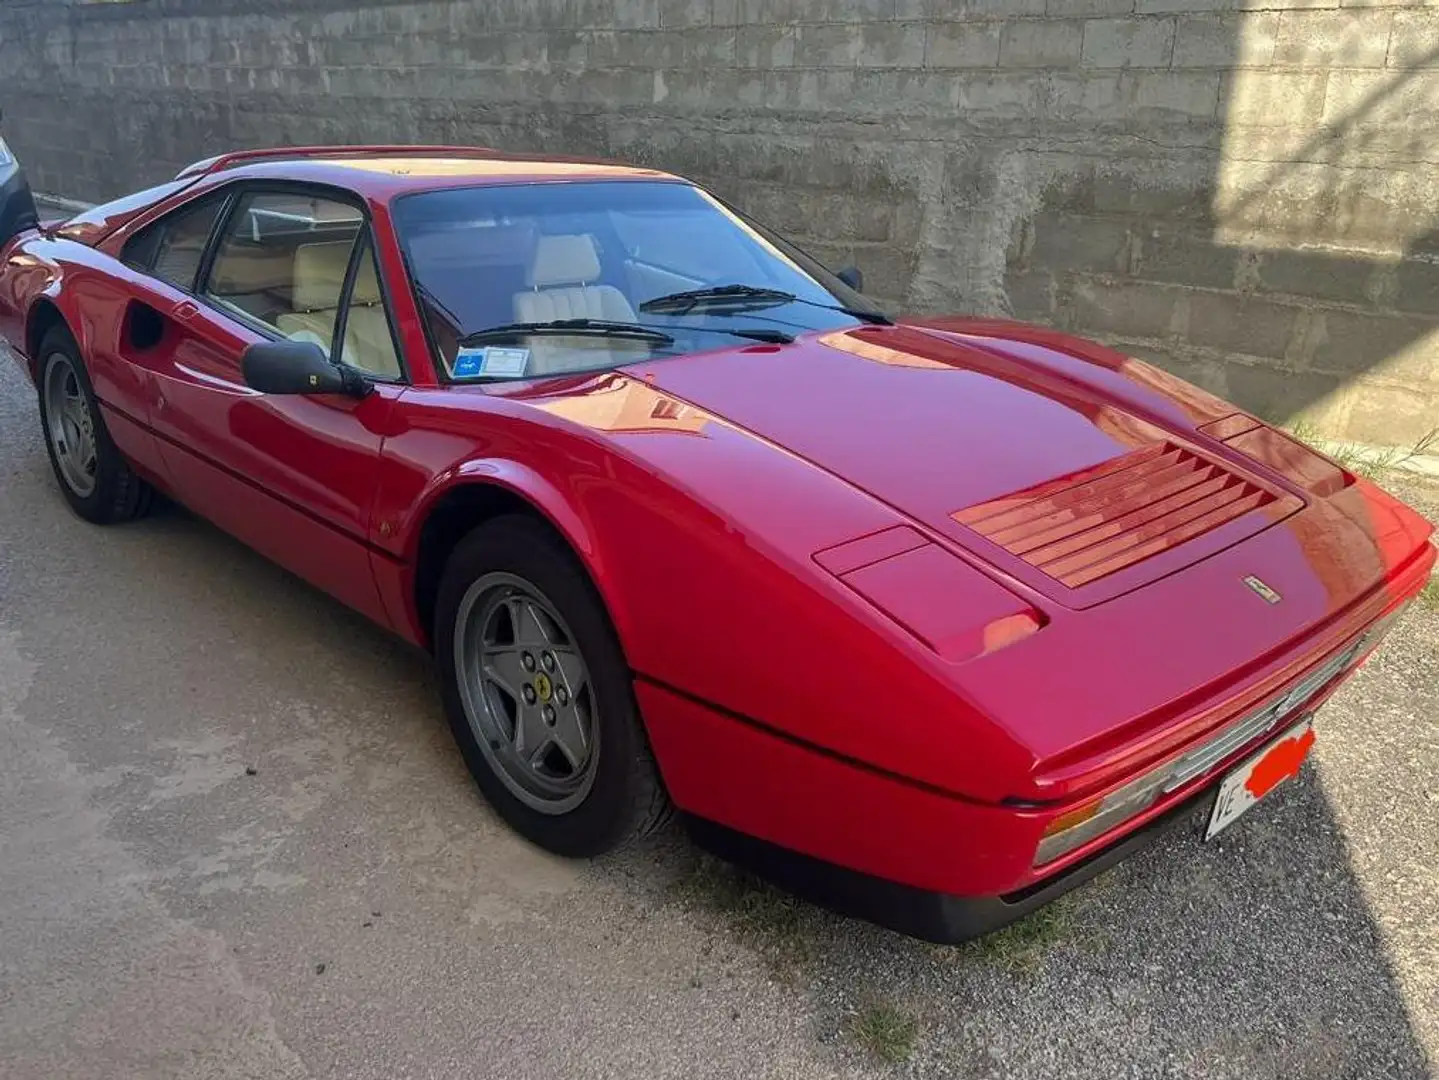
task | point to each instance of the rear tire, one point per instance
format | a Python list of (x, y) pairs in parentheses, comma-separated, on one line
[(538, 693), (93, 475)]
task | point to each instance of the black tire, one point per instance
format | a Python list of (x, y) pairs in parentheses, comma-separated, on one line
[(626, 799), (117, 493)]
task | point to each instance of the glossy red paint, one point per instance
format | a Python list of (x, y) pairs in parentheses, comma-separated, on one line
[(819, 558)]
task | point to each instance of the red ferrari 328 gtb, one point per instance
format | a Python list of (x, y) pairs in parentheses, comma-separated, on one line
[(928, 620)]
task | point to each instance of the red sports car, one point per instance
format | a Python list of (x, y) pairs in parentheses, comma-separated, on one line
[(928, 620)]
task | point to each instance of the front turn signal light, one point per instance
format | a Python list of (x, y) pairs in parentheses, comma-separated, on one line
[(1077, 827)]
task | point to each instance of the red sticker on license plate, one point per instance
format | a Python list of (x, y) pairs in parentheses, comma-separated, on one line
[(1255, 778)]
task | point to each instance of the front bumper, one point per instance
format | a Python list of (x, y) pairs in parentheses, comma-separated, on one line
[(921, 913), (928, 862)]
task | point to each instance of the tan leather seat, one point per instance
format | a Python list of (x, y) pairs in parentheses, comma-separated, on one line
[(319, 278), (559, 281)]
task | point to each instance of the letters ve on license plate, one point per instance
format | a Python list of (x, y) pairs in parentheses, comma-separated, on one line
[(1257, 776)]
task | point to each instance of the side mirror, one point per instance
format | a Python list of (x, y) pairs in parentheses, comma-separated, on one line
[(852, 277), (297, 367)]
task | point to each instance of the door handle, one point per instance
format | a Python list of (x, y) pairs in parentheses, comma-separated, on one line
[(186, 310)]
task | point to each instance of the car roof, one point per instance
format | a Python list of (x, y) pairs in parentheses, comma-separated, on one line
[(385, 173)]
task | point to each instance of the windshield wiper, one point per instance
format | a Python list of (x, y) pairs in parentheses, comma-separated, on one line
[(735, 297), (567, 328), (607, 329)]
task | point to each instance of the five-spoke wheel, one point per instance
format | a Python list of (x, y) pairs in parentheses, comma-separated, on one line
[(538, 692), (94, 476), (526, 691), (71, 424)]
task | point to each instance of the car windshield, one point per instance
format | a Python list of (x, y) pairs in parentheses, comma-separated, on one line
[(510, 256)]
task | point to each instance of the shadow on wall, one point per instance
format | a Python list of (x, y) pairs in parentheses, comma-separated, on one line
[(1301, 277)]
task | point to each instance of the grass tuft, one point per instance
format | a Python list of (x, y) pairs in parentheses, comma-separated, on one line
[(887, 1032), (1021, 945), (1429, 597), (771, 922), (1371, 465)]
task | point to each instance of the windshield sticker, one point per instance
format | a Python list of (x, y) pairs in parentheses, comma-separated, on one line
[(490, 361), (504, 361), (467, 362)]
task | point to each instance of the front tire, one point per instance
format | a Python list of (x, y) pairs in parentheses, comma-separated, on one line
[(538, 694), (93, 475)]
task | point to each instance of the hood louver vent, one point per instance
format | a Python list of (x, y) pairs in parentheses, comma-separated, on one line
[(1082, 527)]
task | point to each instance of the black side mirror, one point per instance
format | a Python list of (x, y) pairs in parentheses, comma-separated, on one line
[(298, 367), (852, 277)]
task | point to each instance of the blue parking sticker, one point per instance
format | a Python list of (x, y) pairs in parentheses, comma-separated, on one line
[(490, 361), (467, 362)]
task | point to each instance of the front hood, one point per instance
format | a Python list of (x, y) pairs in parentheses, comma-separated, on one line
[(1061, 473)]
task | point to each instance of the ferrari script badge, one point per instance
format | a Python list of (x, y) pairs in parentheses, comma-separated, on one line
[(1270, 596)]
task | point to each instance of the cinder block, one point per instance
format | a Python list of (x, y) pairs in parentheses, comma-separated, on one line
[(1184, 256), (888, 271), (999, 94), (1041, 44), (1127, 309), (838, 10), (1181, 93), (1075, 8), (1276, 394), (1381, 98), (1165, 7), (1123, 43), (881, 93), (635, 14), (1351, 38), (967, 9), (1275, 98), (1417, 286), (1031, 295), (766, 46), (1324, 275), (885, 45), (1238, 324), (1414, 42), (892, 45), (1390, 415), (727, 12), (1242, 40), (1351, 343), (1069, 95), (962, 45), (828, 46), (681, 13), (707, 47), (1067, 243)]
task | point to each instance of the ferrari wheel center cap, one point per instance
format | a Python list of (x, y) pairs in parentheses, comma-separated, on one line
[(543, 687)]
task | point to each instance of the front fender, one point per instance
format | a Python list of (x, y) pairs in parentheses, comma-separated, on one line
[(403, 507)]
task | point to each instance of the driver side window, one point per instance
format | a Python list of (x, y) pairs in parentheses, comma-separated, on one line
[(284, 262)]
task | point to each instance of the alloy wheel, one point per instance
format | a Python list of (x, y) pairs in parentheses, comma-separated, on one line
[(526, 693)]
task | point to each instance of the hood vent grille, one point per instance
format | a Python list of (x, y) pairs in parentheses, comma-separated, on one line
[(1091, 524)]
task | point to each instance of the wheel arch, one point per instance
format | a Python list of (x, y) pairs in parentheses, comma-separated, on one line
[(44, 315), (481, 492)]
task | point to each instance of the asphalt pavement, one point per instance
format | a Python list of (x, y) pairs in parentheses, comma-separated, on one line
[(236, 840)]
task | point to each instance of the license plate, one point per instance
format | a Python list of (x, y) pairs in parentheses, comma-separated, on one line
[(1255, 778)]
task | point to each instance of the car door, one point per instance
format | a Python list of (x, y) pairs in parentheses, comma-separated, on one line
[(293, 476)]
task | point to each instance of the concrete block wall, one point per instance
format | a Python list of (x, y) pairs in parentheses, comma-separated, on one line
[(1243, 191)]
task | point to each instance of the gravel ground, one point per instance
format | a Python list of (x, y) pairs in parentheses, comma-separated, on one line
[(238, 842)]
